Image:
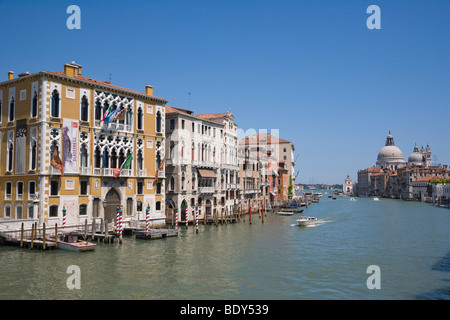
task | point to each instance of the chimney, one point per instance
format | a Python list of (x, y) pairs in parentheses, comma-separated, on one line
[(10, 75), (149, 90), (72, 69)]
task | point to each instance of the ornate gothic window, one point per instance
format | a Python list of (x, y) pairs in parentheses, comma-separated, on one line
[(140, 119), (12, 107), (98, 110), (34, 105), (158, 121), (55, 104), (84, 109)]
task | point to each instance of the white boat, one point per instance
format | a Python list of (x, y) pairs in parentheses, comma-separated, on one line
[(376, 199), (306, 221), (73, 244), (285, 213), (352, 199)]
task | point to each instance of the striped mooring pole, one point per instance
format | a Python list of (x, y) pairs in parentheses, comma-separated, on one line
[(187, 217), (119, 223), (64, 217), (147, 217), (196, 218), (176, 218)]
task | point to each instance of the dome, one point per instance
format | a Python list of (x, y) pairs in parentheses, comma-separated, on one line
[(416, 157), (390, 156), (390, 153)]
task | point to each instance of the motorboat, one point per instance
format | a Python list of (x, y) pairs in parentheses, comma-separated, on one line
[(376, 199), (352, 199), (306, 221)]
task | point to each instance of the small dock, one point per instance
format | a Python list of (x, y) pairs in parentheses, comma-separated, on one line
[(155, 233)]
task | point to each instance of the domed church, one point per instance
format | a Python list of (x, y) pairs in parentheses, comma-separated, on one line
[(420, 158), (390, 156)]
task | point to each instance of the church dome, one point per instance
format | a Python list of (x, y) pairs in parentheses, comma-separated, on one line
[(416, 157), (389, 153), (390, 156)]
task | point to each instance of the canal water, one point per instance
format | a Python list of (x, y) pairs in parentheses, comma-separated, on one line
[(408, 241)]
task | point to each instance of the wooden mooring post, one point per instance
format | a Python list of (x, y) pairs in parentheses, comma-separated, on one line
[(32, 235), (43, 236), (21, 236), (56, 235)]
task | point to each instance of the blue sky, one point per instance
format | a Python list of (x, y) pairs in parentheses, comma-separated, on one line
[(311, 69)]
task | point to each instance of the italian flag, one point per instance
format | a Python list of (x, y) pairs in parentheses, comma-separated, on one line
[(125, 165), (106, 113)]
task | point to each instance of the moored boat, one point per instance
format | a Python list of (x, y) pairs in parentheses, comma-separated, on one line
[(285, 213), (72, 243)]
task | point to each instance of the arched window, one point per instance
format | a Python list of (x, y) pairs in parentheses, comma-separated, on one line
[(140, 119), (158, 159), (10, 153), (34, 105), (129, 117), (158, 121), (183, 180), (140, 161), (98, 110), (84, 108), (83, 156), (97, 158), (12, 107), (172, 184), (55, 104), (33, 154), (113, 158)]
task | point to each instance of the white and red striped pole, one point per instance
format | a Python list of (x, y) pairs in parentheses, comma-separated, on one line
[(64, 217), (147, 212), (117, 221), (176, 218), (196, 218), (187, 217)]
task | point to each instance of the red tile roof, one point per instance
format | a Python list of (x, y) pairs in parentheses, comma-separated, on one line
[(102, 83)]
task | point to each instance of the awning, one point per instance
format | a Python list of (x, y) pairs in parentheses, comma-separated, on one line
[(206, 173)]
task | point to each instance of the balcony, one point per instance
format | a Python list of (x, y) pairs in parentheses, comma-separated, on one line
[(229, 166), (206, 189), (205, 164), (53, 171), (85, 171), (112, 126), (142, 173)]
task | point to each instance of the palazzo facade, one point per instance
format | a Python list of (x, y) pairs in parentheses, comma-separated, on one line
[(59, 115)]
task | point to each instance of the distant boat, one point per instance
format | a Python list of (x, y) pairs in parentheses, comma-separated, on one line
[(293, 210), (306, 221), (352, 199), (376, 199), (285, 213)]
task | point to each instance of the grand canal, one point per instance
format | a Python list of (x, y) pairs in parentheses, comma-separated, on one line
[(408, 241)]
